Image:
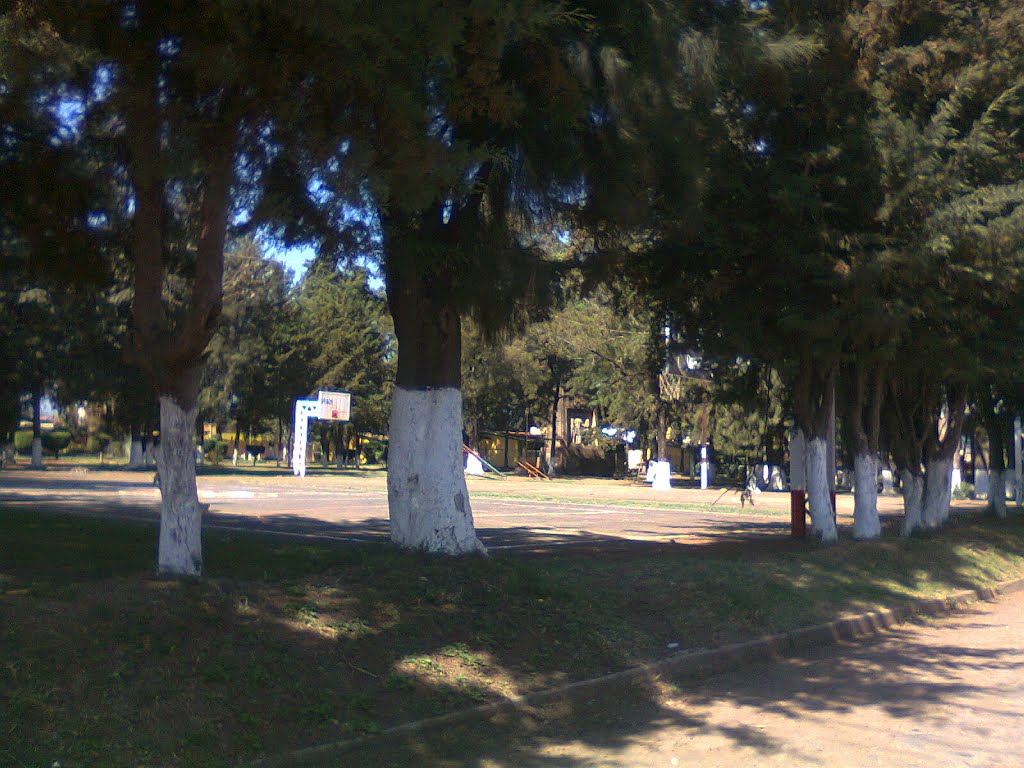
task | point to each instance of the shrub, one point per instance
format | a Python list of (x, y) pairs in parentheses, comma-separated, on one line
[(215, 450), (373, 451), (56, 441), (97, 443), (23, 442), (963, 491)]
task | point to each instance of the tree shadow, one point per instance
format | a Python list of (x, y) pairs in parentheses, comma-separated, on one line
[(779, 708), (402, 647)]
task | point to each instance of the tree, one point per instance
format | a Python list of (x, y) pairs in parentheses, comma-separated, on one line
[(344, 330), (612, 87), (947, 86), (242, 374), (180, 104), (498, 387)]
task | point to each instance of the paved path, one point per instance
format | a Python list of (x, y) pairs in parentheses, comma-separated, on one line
[(509, 514), (936, 695)]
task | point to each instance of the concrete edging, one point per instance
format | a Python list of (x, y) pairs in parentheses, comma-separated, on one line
[(692, 664)]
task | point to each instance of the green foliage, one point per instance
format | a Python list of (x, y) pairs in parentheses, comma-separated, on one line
[(23, 442), (248, 377), (344, 335), (947, 85), (56, 440), (374, 450), (215, 450), (97, 443), (964, 491)]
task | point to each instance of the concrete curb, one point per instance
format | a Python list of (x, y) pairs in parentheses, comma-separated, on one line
[(691, 664)]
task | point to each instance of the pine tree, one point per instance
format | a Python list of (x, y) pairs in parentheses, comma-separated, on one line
[(947, 83)]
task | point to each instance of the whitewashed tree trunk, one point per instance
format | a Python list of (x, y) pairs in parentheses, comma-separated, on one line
[(37, 453), (937, 492), (913, 498), (427, 495), (135, 454), (997, 493), (180, 552), (866, 524), (819, 491), (982, 486)]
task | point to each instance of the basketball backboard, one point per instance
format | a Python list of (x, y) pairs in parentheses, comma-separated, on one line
[(335, 406)]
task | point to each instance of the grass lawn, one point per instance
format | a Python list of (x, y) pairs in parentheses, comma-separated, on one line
[(287, 645)]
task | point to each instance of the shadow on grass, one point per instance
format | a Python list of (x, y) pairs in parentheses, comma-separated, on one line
[(292, 642)]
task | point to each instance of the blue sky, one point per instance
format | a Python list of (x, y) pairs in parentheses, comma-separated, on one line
[(293, 258)]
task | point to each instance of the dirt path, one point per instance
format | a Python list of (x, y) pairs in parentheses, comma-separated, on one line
[(947, 693), (511, 514)]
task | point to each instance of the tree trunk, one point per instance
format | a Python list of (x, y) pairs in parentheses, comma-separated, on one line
[(553, 447), (997, 493), (37, 429), (863, 406), (427, 494), (819, 491), (913, 498), (996, 452), (135, 452), (428, 501), (181, 552), (909, 419), (277, 446), (172, 357), (937, 491), (866, 524), (944, 443), (325, 445), (814, 398), (662, 433)]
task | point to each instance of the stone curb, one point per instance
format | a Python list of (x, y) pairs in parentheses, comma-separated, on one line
[(692, 664)]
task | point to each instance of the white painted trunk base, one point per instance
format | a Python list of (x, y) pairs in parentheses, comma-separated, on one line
[(913, 497), (181, 547), (662, 476), (819, 491), (135, 454), (997, 493), (427, 497), (938, 490), (37, 453), (866, 524)]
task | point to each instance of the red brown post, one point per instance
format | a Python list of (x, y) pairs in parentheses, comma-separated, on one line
[(798, 513)]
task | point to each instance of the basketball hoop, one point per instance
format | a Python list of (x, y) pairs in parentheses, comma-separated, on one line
[(329, 406)]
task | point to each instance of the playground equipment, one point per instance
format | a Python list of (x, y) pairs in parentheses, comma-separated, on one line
[(466, 449), (531, 470)]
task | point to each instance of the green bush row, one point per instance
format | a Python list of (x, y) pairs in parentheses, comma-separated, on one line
[(57, 440), (54, 441)]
